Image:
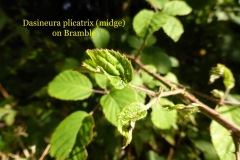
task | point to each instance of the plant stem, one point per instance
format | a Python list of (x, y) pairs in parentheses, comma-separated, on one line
[(45, 152), (141, 48), (100, 91), (156, 95), (144, 90), (4, 92), (211, 113), (216, 100), (152, 93)]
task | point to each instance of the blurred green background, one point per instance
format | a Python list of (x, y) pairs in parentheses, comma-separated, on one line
[(30, 57)]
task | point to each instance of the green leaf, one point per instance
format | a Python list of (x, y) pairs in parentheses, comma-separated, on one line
[(157, 3), (173, 28), (161, 118), (171, 77), (221, 138), (101, 37), (146, 78), (114, 65), (207, 148), (151, 155), (147, 21), (101, 80), (76, 129), (167, 104), (217, 93), (117, 99), (151, 40), (78, 153), (174, 61), (127, 118), (8, 114), (137, 80), (91, 66), (116, 81), (157, 57), (136, 42), (177, 8), (222, 71), (70, 85), (68, 63)]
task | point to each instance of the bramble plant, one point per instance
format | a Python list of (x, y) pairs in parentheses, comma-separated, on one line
[(163, 86), (134, 91)]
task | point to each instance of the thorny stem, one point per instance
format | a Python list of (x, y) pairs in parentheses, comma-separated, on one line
[(223, 102), (211, 113)]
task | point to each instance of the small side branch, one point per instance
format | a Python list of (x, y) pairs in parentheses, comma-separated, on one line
[(45, 152), (100, 91), (154, 94), (211, 113)]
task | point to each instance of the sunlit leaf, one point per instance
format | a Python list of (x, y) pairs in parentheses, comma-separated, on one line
[(101, 37), (177, 8), (174, 61), (173, 28), (126, 120), (76, 129), (70, 85), (222, 71), (91, 66), (8, 114), (146, 78), (117, 99), (101, 80), (157, 3), (161, 118), (221, 137), (171, 77), (115, 66), (147, 21), (217, 93)]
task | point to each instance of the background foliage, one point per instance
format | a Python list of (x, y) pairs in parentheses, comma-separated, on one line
[(31, 57)]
